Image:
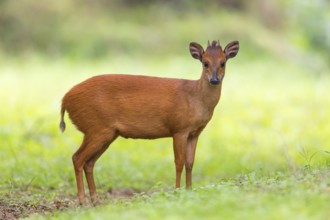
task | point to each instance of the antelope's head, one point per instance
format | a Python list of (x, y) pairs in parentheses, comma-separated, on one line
[(214, 59)]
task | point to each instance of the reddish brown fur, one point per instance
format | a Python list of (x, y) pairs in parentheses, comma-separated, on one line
[(107, 106)]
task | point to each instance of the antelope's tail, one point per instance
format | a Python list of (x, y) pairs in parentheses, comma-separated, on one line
[(62, 123)]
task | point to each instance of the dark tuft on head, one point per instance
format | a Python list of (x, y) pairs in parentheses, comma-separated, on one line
[(214, 45)]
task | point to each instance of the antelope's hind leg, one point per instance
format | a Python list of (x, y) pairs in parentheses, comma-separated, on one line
[(90, 150), (89, 167)]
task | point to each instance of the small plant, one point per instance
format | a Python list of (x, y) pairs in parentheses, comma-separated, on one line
[(308, 156)]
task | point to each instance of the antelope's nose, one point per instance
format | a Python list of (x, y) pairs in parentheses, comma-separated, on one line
[(214, 81)]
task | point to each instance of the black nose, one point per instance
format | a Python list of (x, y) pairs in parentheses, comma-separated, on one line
[(214, 81)]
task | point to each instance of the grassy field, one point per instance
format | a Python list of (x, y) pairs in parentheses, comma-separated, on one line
[(264, 155)]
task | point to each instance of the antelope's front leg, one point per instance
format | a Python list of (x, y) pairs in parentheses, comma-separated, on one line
[(190, 157), (179, 147)]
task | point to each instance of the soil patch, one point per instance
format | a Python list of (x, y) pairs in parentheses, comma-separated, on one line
[(10, 209)]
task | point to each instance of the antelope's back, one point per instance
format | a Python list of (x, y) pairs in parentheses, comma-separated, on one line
[(136, 106)]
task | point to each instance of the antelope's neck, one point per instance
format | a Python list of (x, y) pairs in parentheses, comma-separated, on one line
[(209, 94)]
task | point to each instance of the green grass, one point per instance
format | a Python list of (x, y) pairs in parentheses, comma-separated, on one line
[(251, 196), (264, 154)]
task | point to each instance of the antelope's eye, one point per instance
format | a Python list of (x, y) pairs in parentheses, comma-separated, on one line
[(222, 64), (206, 64)]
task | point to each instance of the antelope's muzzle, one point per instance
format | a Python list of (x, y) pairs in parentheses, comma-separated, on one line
[(214, 80)]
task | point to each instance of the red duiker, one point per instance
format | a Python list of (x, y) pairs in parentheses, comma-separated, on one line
[(107, 106)]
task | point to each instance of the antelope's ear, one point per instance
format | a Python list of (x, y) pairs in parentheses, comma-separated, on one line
[(231, 49), (196, 50)]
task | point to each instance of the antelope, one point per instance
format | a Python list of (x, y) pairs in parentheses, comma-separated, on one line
[(105, 107)]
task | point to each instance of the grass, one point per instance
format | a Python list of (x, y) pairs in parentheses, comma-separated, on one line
[(265, 153), (248, 196)]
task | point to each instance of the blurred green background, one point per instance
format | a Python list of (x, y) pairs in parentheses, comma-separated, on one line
[(266, 152), (93, 30)]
